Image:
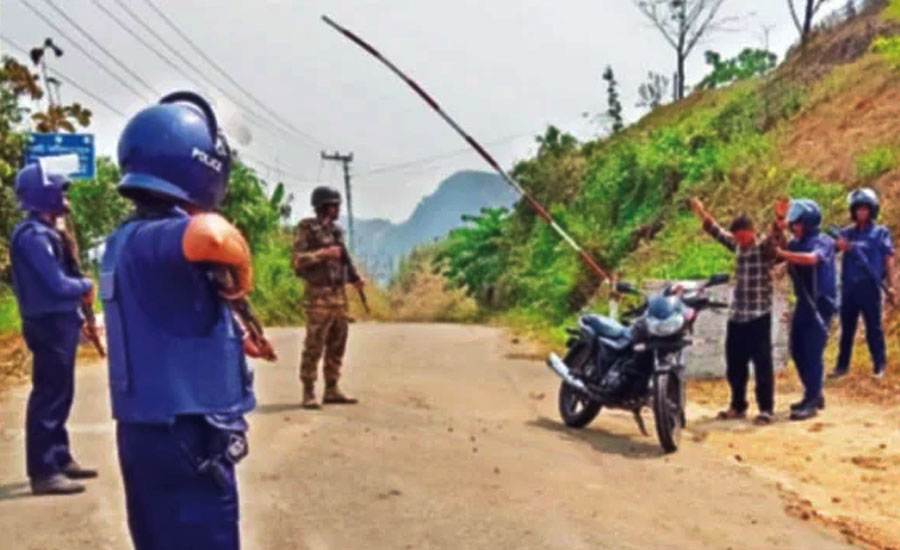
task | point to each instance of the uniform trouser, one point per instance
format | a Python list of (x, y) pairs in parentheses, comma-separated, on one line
[(807, 340), (171, 504), (326, 331), (862, 299), (745, 342), (53, 341)]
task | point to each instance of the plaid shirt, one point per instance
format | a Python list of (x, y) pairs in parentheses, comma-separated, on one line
[(753, 272)]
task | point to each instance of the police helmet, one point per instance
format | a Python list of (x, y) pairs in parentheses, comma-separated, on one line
[(863, 197), (174, 150), (39, 191)]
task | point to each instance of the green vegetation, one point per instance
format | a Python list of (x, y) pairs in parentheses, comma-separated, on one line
[(749, 63), (889, 48), (624, 199), (874, 163), (97, 209)]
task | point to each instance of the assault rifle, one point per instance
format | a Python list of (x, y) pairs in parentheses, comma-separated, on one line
[(835, 233), (73, 265), (241, 306), (350, 272)]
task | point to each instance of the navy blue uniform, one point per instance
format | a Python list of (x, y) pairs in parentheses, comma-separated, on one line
[(861, 277), (48, 300), (816, 291), (179, 383)]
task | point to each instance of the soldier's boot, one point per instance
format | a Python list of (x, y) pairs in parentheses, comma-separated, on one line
[(309, 396), (334, 396)]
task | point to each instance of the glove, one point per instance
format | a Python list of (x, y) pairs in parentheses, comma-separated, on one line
[(210, 238)]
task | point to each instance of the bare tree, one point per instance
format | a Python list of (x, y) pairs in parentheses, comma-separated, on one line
[(683, 23), (654, 91), (812, 7)]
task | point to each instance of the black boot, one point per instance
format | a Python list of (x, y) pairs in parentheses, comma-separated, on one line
[(819, 403), (57, 484), (75, 470), (805, 413)]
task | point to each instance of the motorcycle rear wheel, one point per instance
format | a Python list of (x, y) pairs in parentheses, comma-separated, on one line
[(576, 409), (668, 410)]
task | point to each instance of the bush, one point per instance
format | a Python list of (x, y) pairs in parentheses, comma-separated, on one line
[(875, 163), (278, 293), (9, 312), (889, 48)]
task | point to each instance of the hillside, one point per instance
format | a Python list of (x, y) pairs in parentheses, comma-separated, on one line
[(381, 244), (825, 120)]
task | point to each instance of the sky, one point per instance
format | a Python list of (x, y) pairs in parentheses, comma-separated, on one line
[(505, 69)]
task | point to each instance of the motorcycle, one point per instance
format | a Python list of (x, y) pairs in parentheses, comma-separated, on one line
[(635, 364)]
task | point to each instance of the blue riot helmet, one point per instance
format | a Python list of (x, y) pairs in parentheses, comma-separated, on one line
[(806, 212), (39, 191), (863, 197), (174, 150)]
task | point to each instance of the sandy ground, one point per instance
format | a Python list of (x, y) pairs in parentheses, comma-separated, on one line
[(841, 469), (456, 444)]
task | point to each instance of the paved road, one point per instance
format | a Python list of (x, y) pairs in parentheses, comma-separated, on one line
[(456, 445)]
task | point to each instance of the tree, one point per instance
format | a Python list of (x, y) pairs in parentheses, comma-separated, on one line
[(683, 23), (804, 25), (749, 63), (614, 109), (97, 207), (653, 91)]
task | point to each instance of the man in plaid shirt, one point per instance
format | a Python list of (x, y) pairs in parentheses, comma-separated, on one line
[(749, 333)]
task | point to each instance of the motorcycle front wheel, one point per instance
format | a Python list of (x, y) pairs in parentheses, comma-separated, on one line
[(668, 410), (577, 410)]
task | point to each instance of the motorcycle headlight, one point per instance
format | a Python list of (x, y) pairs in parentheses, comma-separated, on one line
[(665, 327)]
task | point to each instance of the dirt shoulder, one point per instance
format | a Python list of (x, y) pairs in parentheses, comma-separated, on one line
[(841, 469)]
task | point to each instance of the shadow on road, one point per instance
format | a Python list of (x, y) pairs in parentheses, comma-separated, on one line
[(11, 491), (275, 408), (604, 442)]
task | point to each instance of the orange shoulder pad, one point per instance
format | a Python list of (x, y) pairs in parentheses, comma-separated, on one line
[(210, 238)]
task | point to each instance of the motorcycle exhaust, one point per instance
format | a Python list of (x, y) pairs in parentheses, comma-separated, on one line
[(556, 365)]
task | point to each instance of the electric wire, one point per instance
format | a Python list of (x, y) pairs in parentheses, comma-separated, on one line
[(101, 47), (260, 122), (228, 77), (68, 80), (80, 48)]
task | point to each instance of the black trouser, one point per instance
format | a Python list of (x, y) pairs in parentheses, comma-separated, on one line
[(745, 342)]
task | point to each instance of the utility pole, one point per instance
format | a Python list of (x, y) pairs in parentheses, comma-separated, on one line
[(345, 161)]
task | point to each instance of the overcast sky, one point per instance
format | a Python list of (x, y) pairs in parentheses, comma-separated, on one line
[(503, 68)]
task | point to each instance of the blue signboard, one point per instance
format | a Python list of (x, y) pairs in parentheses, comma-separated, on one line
[(52, 145)]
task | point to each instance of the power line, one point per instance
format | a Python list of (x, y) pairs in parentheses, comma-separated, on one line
[(102, 48), (260, 121), (228, 77), (68, 80), (142, 40), (80, 48), (240, 153)]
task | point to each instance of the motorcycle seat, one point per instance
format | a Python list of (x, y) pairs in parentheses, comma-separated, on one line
[(605, 327)]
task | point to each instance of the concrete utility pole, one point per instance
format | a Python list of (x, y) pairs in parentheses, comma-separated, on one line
[(345, 161)]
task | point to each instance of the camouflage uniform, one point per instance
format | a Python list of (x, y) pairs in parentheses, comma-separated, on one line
[(325, 300)]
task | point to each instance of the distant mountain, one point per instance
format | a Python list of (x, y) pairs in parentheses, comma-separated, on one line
[(380, 244)]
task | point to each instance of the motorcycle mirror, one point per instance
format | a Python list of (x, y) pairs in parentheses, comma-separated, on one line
[(718, 279), (626, 288)]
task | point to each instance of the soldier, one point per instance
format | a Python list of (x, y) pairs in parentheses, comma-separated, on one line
[(178, 377), (321, 259), (49, 297)]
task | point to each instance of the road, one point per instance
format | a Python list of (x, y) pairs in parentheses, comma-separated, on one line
[(456, 445)]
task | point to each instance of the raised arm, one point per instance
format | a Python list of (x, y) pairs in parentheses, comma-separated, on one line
[(711, 227)]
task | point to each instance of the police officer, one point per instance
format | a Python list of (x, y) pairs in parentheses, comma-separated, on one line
[(867, 265), (320, 258), (178, 376), (49, 297), (811, 258)]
